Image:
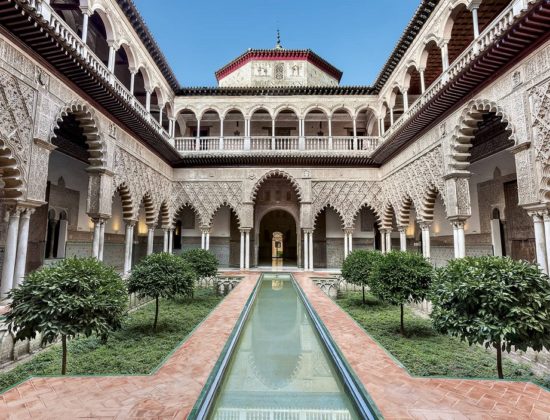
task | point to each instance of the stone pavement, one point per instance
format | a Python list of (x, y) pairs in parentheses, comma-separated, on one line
[(172, 391), (400, 396), (169, 393)]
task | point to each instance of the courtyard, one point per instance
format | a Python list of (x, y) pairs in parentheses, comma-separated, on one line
[(269, 236)]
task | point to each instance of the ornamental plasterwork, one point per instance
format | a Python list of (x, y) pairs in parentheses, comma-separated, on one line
[(414, 180), (17, 102), (346, 198), (540, 97), (207, 197), (141, 179)]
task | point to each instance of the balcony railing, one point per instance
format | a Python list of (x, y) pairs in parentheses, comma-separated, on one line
[(485, 39), (187, 145), (74, 43)]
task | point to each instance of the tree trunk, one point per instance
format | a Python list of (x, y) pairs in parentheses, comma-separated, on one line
[(64, 355), (156, 314), (499, 360), (402, 326), (363, 294)]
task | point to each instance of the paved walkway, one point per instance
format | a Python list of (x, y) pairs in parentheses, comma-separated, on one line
[(172, 391), (400, 396), (169, 393)]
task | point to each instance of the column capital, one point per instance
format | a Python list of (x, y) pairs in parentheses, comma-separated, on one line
[(425, 225), (151, 226), (308, 230), (130, 222), (245, 230), (458, 223), (348, 231), (474, 5), (402, 229)]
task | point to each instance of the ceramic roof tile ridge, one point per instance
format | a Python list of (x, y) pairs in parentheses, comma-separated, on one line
[(420, 17), (148, 40)]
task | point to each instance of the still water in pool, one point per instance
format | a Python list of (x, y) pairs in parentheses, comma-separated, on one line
[(280, 368)]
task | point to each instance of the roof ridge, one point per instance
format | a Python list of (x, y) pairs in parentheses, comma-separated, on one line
[(404, 42)]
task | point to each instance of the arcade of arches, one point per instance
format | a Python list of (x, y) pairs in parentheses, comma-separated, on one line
[(75, 181)]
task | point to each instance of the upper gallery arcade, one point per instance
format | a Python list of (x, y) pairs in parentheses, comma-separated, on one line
[(104, 153)]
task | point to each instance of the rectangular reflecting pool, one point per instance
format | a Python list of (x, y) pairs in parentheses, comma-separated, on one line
[(280, 368)]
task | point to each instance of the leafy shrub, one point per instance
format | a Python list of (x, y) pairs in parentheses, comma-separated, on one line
[(203, 262), (74, 296), (400, 277), (357, 267), (494, 301), (161, 275)]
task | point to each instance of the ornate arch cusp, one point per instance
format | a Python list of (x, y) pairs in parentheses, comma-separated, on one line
[(85, 115), (464, 132), (276, 173)]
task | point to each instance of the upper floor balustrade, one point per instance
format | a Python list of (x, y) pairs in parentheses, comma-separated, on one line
[(104, 68), (365, 144)]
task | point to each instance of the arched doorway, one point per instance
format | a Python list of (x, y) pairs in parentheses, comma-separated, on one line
[(277, 239)]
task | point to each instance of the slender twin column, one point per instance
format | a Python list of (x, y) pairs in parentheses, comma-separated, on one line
[(150, 238), (205, 239), (425, 227), (348, 242), (98, 241), (171, 240), (459, 238), (402, 238), (541, 241), (128, 248), (245, 249), (388, 240), (308, 249)]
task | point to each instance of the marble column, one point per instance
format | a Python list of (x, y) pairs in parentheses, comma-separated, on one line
[(242, 251), (474, 6), (247, 250), (10, 251), (311, 250), (128, 245), (22, 246), (95, 239), (346, 250), (350, 241), (540, 241), (422, 81), (207, 240), (546, 219), (403, 238), (203, 239), (306, 250), (425, 239), (165, 242), (171, 240), (383, 241), (85, 20), (101, 239), (150, 239), (388, 240), (459, 238)]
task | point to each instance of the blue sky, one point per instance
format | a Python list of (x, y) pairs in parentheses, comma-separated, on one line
[(199, 37)]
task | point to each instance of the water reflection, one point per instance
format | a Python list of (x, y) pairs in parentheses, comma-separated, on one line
[(280, 368)]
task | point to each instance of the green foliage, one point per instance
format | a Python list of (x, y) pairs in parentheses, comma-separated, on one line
[(130, 350), (358, 265), (401, 277), (74, 296), (161, 275), (425, 352), (202, 261), (494, 301)]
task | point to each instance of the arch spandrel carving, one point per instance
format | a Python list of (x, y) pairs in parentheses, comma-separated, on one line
[(141, 180), (207, 197), (346, 197), (277, 173), (411, 182)]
